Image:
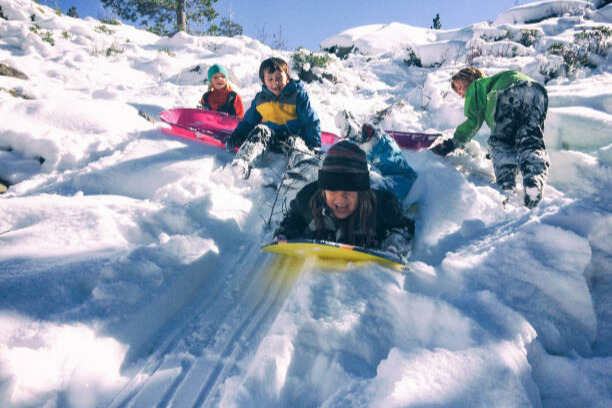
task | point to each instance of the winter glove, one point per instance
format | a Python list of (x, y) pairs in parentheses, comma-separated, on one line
[(444, 148), (233, 141), (401, 255), (279, 138)]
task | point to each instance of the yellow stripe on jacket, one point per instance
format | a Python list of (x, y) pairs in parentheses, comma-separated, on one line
[(276, 112)]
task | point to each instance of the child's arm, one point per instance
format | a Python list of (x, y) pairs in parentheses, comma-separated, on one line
[(298, 217), (397, 229), (399, 241), (238, 107), (251, 119), (309, 120), (474, 111), (204, 101), (293, 223)]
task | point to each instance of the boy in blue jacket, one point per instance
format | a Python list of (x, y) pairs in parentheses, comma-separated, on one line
[(280, 119)]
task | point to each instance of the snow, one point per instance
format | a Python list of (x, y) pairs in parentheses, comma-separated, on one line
[(541, 10), (130, 266)]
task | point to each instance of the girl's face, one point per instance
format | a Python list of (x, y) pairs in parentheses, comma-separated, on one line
[(275, 81), (342, 203), (461, 87), (219, 81)]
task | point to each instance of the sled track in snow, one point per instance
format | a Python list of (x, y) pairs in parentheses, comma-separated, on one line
[(260, 316), (208, 344)]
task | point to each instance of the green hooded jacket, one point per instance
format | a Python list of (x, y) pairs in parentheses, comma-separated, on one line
[(480, 101)]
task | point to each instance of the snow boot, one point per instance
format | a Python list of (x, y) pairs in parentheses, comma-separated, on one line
[(303, 162), (533, 192), (349, 127), (241, 168), (505, 177)]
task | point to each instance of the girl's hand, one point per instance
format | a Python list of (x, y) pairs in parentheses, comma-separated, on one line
[(444, 148)]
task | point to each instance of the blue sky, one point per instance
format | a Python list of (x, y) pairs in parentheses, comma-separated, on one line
[(308, 22)]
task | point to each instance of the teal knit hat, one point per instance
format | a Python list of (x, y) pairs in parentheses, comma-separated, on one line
[(217, 69)]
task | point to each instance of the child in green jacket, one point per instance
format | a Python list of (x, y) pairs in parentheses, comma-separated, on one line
[(514, 107)]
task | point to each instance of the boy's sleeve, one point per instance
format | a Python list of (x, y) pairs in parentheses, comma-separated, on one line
[(466, 131), (309, 120), (249, 121)]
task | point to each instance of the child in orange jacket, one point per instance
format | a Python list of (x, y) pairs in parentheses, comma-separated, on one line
[(220, 97)]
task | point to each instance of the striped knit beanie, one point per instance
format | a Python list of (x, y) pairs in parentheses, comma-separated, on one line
[(344, 168), (217, 69)]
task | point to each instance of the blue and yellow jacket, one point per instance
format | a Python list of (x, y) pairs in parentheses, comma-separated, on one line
[(291, 109)]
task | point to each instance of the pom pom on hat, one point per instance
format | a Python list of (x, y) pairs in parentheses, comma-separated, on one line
[(217, 69), (345, 168)]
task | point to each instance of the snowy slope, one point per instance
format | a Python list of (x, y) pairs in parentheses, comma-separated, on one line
[(130, 269)]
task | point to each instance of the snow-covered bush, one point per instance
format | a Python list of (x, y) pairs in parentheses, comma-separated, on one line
[(550, 66), (46, 36), (341, 52), (309, 65), (167, 51), (499, 49), (413, 60), (104, 29), (585, 51), (496, 36), (529, 36), (573, 57), (114, 49), (109, 20), (596, 40)]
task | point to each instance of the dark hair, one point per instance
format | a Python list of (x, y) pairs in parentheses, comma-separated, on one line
[(365, 214), (467, 74), (273, 64)]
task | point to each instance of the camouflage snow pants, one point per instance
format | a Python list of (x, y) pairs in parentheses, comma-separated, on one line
[(518, 139), (261, 139)]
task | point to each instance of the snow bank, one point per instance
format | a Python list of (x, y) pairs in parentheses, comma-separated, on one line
[(536, 12)]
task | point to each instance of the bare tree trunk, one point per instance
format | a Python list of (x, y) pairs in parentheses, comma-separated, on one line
[(181, 19)]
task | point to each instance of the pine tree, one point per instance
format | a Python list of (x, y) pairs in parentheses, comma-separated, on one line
[(437, 24), (157, 15), (229, 28), (72, 12)]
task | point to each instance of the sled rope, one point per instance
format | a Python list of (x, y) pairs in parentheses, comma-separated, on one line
[(268, 224)]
